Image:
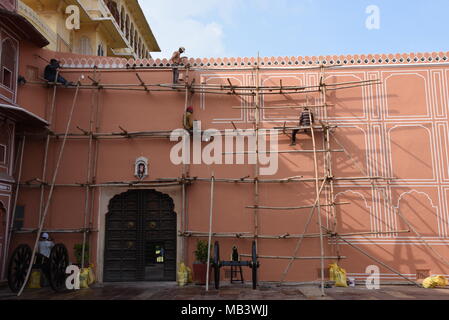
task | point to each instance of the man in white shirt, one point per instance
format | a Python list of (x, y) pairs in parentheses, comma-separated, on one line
[(45, 245)]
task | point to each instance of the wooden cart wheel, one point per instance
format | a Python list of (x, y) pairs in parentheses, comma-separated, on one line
[(254, 265), (58, 262), (18, 267), (217, 265)]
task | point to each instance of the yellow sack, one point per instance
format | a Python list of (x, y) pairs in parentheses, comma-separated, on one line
[(183, 275), (190, 275), (91, 277), (436, 281), (35, 280), (84, 278), (338, 275)]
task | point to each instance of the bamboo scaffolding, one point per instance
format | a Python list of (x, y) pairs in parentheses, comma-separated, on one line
[(14, 207), (41, 224), (295, 258), (36, 183), (301, 238), (27, 231), (294, 208), (89, 171), (287, 236), (283, 151), (211, 215), (286, 107), (214, 89), (213, 68), (380, 262), (401, 216), (318, 193)]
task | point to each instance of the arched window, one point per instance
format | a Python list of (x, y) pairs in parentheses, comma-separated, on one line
[(85, 47), (127, 27), (113, 8), (122, 19), (131, 40), (135, 41), (8, 63), (100, 51)]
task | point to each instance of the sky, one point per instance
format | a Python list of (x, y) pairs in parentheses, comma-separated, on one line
[(244, 28)]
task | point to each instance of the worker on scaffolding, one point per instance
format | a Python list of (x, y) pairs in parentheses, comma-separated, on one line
[(51, 73), (176, 60), (188, 120), (306, 120)]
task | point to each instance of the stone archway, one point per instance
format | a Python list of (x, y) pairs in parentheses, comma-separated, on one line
[(140, 238)]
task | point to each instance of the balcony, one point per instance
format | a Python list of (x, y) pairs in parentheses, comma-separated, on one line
[(37, 22)]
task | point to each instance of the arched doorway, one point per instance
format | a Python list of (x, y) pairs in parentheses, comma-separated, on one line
[(140, 237)]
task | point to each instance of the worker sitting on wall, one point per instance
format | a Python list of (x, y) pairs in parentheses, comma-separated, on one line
[(51, 73), (188, 120), (176, 60), (305, 120)]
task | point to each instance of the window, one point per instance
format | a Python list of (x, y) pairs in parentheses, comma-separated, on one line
[(85, 47), (19, 218), (122, 19), (8, 63), (100, 51)]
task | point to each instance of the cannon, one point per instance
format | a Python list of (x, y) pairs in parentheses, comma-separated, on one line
[(53, 268), (217, 264)]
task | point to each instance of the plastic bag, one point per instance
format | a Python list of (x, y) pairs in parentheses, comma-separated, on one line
[(183, 275), (435, 281), (35, 280), (84, 278), (338, 275)]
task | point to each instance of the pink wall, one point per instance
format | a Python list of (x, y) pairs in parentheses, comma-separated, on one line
[(396, 129)]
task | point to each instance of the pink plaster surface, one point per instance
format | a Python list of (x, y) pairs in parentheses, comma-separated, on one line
[(396, 129)]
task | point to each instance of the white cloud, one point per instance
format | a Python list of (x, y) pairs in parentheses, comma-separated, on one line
[(181, 23)]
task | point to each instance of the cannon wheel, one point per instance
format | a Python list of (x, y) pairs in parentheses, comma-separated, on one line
[(58, 262), (217, 265), (254, 265), (18, 267)]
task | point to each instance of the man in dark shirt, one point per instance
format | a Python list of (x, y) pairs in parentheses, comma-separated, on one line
[(52, 70), (305, 120)]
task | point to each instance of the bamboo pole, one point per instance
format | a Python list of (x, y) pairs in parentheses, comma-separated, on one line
[(301, 237), (41, 224), (89, 171), (318, 193), (181, 181), (283, 151), (257, 165), (295, 208), (247, 235), (26, 231), (295, 258), (380, 262), (47, 146), (210, 231), (14, 207)]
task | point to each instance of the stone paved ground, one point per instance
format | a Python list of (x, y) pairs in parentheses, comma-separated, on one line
[(169, 291)]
